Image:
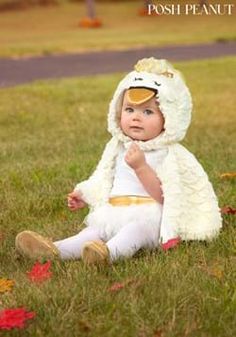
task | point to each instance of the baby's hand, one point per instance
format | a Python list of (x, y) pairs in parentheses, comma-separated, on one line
[(75, 201), (135, 157)]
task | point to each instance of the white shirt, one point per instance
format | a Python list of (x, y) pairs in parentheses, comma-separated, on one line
[(125, 180)]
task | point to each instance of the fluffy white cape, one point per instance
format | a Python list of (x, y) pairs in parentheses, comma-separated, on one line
[(190, 204)]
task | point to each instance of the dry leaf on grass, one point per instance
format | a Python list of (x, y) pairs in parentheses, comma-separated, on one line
[(228, 175), (158, 333), (1, 236), (120, 285), (215, 270), (40, 272), (6, 285), (228, 210), (14, 318)]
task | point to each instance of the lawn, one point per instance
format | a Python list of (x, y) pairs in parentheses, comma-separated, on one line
[(52, 30), (51, 136)]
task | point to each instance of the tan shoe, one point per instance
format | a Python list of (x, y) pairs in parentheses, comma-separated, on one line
[(95, 252), (34, 245)]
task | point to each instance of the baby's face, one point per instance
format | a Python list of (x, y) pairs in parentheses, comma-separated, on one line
[(141, 121)]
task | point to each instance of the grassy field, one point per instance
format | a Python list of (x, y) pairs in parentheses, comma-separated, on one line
[(50, 30), (51, 136)]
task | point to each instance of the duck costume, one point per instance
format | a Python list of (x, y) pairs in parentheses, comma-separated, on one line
[(118, 200), (190, 204)]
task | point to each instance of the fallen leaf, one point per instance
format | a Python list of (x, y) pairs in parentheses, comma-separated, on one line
[(6, 285), (216, 270), (85, 325), (1, 236), (158, 333), (116, 286), (40, 272), (218, 273), (14, 318), (228, 175), (120, 285), (170, 244), (228, 210)]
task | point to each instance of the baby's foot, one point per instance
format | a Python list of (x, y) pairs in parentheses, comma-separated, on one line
[(95, 252), (34, 245)]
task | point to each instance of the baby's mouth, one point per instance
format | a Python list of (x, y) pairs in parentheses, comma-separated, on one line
[(136, 128)]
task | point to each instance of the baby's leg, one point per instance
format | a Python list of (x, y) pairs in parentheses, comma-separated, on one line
[(131, 238), (70, 248)]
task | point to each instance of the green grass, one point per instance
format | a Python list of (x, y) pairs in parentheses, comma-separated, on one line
[(51, 136), (52, 30)]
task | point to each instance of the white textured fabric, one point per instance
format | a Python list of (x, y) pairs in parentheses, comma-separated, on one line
[(131, 238), (71, 247), (190, 205), (125, 243), (126, 181), (110, 219)]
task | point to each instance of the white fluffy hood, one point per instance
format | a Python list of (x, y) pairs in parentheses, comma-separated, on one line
[(175, 104)]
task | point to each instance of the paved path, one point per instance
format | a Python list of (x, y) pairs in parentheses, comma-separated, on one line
[(16, 71)]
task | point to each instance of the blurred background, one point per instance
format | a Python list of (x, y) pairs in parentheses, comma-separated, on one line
[(45, 27)]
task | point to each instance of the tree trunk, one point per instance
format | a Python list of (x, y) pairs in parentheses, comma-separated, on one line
[(91, 8)]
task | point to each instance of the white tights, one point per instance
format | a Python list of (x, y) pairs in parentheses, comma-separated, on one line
[(125, 243)]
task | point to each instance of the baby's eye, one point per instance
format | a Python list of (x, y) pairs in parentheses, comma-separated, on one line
[(148, 112), (129, 109)]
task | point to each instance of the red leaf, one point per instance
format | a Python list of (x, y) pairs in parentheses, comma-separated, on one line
[(120, 285), (228, 210), (40, 272), (170, 244), (116, 286), (14, 318)]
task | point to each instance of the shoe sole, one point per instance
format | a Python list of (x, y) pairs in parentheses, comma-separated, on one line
[(34, 245)]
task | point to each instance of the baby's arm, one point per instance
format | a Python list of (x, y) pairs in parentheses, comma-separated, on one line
[(135, 158)]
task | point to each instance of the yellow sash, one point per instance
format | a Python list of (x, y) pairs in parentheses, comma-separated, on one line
[(128, 200)]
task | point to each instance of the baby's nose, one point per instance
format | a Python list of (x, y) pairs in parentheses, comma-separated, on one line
[(136, 115)]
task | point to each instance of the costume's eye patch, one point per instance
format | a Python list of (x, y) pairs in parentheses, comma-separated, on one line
[(157, 84)]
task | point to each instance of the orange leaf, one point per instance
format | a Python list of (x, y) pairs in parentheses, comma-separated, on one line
[(215, 271), (90, 23), (6, 285), (228, 175)]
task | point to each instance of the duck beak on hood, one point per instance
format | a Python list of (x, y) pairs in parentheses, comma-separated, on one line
[(174, 100)]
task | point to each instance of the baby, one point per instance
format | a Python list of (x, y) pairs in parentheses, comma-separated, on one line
[(147, 190)]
